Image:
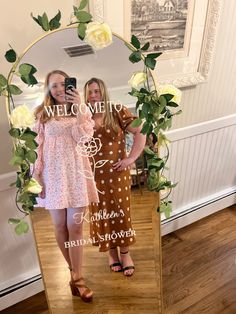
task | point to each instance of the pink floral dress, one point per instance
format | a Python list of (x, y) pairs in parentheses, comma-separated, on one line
[(67, 175)]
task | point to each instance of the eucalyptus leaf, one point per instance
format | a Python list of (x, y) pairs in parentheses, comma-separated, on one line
[(15, 90), (83, 16), (83, 4), (35, 19), (3, 81), (135, 42), (29, 79), (11, 56)]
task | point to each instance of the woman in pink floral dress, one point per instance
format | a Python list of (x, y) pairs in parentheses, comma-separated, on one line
[(66, 176)]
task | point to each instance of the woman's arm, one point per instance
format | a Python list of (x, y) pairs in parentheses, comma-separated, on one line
[(136, 150)]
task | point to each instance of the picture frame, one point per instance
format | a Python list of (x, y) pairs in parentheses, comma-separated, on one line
[(173, 68)]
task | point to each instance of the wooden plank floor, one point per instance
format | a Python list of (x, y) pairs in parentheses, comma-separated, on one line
[(113, 292), (199, 266)]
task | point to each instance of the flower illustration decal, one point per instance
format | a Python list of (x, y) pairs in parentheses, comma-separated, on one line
[(89, 147)]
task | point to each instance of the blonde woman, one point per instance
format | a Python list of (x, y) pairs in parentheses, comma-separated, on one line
[(59, 169), (113, 231)]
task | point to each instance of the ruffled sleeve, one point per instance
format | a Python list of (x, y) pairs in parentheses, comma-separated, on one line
[(84, 127), (39, 129), (125, 117)]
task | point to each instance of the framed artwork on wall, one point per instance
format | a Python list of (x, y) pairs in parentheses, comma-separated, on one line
[(184, 30)]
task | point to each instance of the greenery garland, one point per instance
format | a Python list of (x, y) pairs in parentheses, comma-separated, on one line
[(153, 106)]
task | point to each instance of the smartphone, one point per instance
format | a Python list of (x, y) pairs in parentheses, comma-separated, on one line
[(70, 83)]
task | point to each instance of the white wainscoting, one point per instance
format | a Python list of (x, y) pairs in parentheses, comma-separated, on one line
[(19, 272), (203, 161)]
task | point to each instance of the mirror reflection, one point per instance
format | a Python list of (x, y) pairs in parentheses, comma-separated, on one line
[(92, 170)]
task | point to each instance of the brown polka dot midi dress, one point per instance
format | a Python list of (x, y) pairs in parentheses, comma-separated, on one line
[(110, 220)]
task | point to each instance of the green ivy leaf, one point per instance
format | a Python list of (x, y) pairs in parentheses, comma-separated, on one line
[(135, 42), (162, 101), (27, 137), (172, 104), (15, 90), (147, 128), (150, 63), (135, 57), (11, 56), (29, 79), (3, 81), (44, 21), (149, 152), (14, 132), (32, 144), (168, 97), (165, 207), (145, 47), (31, 156), (27, 69), (137, 122), (22, 227), (154, 55), (83, 4), (55, 21), (83, 16), (81, 30), (16, 161), (13, 221)]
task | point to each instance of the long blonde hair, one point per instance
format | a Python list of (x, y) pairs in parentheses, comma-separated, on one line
[(48, 101), (109, 119)]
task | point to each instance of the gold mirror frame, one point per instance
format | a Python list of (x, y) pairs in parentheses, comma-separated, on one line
[(155, 215)]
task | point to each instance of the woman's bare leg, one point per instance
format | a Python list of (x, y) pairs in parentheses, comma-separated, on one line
[(75, 228), (59, 220)]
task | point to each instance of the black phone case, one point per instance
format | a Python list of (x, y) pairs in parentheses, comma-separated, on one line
[(70, 83)]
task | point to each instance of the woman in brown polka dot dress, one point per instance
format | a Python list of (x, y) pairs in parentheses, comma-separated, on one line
[(110, 219)]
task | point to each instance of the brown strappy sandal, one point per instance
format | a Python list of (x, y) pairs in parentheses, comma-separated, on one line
[(75, 285)]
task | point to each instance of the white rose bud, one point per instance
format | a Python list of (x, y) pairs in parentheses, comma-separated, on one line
[(137, 79), (33, 187), (22, 117), (98, 35), (170, 89)]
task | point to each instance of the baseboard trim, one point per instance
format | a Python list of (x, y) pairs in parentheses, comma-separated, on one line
[(190, 216), (21, 291)]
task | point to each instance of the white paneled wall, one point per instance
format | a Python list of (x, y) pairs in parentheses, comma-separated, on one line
[(217, 97), (18, 256), (202, 161)]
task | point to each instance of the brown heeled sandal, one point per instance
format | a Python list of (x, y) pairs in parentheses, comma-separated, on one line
[(127, 267), (75, 285)]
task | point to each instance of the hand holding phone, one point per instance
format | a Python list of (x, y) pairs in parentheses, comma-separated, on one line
[(70, 85)]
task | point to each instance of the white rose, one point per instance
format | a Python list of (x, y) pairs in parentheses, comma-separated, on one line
[(22, 117), (33, 187), (137, 79), (98, 35), (170, 89)]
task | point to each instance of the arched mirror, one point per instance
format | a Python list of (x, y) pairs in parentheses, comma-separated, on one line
[(113, 292)]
